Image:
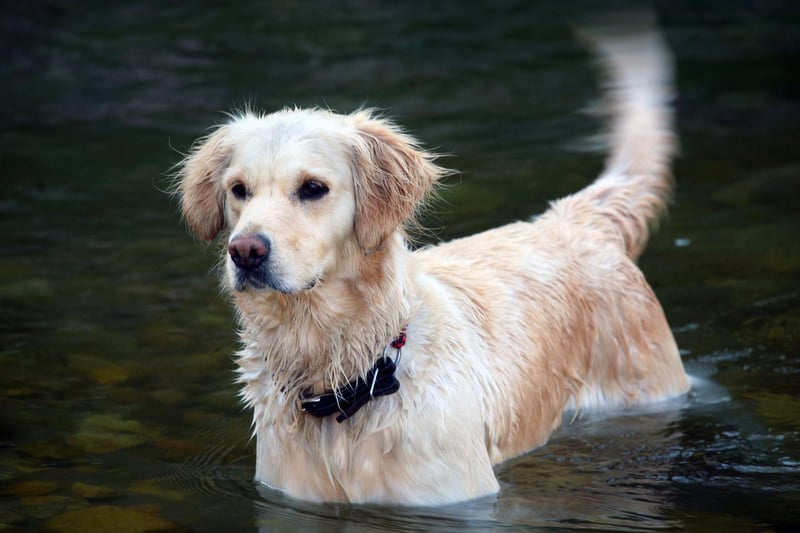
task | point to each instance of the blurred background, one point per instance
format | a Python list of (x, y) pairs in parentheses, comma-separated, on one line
[(118, 403)]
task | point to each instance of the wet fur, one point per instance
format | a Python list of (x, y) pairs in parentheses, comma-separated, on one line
[(507, 329)]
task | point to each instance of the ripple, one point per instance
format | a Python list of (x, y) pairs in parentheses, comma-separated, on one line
[(223, 469)]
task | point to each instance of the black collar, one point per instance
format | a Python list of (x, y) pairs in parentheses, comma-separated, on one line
[(346, 400)]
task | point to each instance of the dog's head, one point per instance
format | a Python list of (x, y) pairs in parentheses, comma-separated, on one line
[(302, 194)]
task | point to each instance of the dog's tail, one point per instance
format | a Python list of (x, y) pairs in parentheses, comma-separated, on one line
[(636, 184)]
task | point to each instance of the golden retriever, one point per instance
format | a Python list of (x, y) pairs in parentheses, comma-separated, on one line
[(381, 374)]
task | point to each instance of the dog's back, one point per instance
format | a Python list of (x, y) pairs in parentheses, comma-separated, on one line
[(561, 297)]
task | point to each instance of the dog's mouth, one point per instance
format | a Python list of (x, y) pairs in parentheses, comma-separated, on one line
[(245, 279), (260, 279)]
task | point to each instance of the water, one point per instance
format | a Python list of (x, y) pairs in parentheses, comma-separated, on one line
[(117, 393)]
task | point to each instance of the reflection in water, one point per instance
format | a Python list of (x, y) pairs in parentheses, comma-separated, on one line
[(607, 473)]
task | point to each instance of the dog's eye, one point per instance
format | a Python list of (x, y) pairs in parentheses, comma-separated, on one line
[(312, 190), (239, 191)]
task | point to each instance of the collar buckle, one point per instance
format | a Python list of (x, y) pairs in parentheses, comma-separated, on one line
[(347, 400)]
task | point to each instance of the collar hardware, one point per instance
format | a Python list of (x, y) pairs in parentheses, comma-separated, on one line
[(348, 399)]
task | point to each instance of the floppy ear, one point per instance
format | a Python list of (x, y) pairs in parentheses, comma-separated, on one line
[(199, 187), (393, 176)]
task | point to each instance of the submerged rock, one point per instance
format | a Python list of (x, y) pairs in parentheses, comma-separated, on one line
[(49, 450), (101, 370), (43, 507), (108, 518), (108, 433), (92, 492), (152, 487), (30, 488)]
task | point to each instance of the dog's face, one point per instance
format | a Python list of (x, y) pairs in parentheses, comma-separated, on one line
[(302, 194)]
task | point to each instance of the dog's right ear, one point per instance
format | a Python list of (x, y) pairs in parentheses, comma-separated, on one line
[(199, 184)]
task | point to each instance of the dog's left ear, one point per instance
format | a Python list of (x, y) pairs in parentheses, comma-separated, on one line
[(393, 177)]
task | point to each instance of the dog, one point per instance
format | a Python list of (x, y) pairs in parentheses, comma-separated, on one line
[(381, 374)]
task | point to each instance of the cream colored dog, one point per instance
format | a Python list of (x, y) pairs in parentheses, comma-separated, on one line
[(504, 331)]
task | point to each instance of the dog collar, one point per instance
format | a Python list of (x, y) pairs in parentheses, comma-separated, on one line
[(347, 400)]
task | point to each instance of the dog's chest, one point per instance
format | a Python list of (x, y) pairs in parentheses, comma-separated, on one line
[(324, 461)]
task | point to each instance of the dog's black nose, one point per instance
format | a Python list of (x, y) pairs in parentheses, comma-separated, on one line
[(248, 251)]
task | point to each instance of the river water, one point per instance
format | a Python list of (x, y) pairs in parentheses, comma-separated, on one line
[(118, 401)]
